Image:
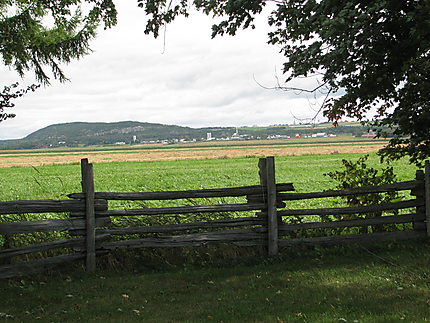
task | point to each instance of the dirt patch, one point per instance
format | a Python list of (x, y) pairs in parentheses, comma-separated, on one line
[(99, 157)]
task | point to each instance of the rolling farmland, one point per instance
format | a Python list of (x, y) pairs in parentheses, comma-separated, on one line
[(207, 150)]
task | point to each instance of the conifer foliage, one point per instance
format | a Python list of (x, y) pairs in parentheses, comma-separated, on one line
[(41, 35)]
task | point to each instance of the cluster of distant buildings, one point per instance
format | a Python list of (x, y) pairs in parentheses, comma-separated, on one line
[(161, 141), (236, 136), (314, 135)]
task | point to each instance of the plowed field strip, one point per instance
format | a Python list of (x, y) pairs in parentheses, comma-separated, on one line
[(44, 159)]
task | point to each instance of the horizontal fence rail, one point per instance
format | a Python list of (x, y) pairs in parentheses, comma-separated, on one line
[(401, 186), (45, 246), (49, 225), (225, 223), (185, 209), (47, 206), (173, 195), (357, 238), (285, 229), (354, 209), (196, 239), (91, 224)]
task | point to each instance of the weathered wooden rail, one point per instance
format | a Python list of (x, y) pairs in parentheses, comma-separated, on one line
[(90, 229), (46, 206)]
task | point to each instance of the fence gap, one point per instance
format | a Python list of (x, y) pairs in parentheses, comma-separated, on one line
[(88, 190)]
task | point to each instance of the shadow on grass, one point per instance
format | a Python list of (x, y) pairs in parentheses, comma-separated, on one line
[(380, 283)]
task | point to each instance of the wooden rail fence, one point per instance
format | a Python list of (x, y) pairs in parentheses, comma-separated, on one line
[(90, 230)]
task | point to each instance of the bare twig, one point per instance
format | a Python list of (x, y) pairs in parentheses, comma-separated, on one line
[(289, 88), (318, 89)]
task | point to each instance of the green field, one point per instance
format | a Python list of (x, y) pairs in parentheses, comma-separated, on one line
[(55, 182), (306, 172), (378, 283)]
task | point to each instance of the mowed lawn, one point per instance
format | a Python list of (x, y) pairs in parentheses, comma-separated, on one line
[(387, 282)]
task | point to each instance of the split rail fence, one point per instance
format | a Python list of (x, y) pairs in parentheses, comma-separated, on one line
[(90, 220)]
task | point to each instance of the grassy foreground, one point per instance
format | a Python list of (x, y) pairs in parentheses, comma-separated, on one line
[(384, 283), (380, 283)]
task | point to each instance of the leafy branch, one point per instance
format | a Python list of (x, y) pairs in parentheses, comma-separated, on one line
[(9, 94)]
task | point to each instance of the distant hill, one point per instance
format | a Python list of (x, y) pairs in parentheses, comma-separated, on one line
[(76, 134), (108, 133)]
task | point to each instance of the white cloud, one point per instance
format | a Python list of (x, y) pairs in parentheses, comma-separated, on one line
[(197, 81)]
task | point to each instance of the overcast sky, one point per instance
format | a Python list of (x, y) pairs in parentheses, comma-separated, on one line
[(194, 81)]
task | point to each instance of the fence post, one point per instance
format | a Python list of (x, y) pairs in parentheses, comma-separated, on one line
[(88, 189), (268, 181), (262, 173), (427, 195), (420, 194), (272, 218)]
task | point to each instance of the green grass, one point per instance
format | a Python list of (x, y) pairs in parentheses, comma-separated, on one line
[(388, 282), (55, 182), (383, 283), (306, 172)]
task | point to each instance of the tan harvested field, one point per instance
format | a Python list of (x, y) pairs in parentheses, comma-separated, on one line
[(110, 155)]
